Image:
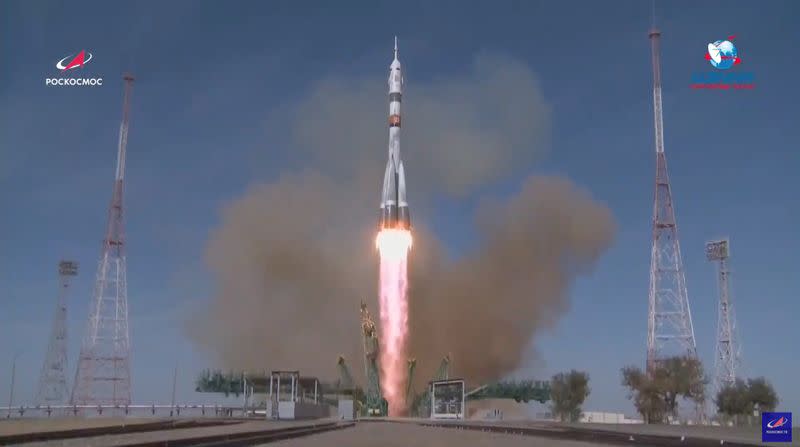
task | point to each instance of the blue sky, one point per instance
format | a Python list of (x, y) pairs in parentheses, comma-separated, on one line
[(209, 74)]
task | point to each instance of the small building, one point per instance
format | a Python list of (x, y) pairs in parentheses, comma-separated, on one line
[(291, 396), (602, 417), (447, 399), (346, 410)]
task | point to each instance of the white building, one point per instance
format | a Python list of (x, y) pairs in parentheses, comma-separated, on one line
[(601, 417)]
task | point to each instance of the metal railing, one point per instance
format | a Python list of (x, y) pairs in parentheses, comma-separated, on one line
[(152, 410)]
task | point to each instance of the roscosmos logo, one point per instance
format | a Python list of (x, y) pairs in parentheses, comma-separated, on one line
[(778, 423), (776, 427), (77, 61), (69, 63)]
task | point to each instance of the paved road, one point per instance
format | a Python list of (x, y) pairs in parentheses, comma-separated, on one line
[(164, 435), (388, 434), (384, 434), (728, 434), (751, 435), (16, 426)]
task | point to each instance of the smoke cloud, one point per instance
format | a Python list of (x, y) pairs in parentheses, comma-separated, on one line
[(292, 259), (484, 308)]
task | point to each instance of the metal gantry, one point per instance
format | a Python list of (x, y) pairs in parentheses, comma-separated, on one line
[(103, 372), (376, 405), (52, 388), (727, 355), (670, 331)]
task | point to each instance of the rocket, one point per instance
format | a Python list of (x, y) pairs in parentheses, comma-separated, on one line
[(394, 208)]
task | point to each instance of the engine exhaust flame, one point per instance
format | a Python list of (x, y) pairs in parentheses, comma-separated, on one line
[(393, 246)]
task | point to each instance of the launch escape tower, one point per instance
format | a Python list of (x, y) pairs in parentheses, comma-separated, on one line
[(53, 381), (103, 373), (669, 329), (726, 359)]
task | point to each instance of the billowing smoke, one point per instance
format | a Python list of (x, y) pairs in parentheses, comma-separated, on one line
[(293, 258), (484, 307)]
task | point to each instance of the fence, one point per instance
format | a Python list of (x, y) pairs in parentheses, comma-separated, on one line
[(152, 410)]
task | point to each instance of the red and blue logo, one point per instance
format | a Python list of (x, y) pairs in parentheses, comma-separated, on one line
[(722, 54), (76, 61), (67, 66), (776, 427)]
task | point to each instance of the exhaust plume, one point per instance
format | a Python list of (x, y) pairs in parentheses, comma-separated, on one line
[(293, 258)]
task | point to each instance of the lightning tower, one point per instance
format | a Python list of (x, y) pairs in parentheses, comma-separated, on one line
[(669, 329), (103, 373), (727, 353), (53, 381)]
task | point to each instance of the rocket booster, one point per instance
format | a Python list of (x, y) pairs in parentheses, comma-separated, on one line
[(394, 208)]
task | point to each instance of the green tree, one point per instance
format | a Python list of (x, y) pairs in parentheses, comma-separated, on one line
[(568, 391), (656, 394), (761, 394), (733, 400), (646, 398), (739, 400)]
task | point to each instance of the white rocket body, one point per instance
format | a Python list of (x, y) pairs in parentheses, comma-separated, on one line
[(394, 211)]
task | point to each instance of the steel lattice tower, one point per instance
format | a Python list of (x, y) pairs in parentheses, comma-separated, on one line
[(726, 359), (53, 381), (669, 329), (103, 373), (374, 396)]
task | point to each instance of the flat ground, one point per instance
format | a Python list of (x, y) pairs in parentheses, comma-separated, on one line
[(400, 433), (17, 426), (388, 434), (512, 411), (750, 435), (730, 434), (165, 435)]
